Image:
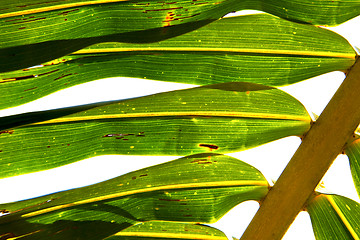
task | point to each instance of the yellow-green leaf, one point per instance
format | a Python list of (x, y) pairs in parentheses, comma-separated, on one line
[(169, 230), (352, 150), (257, 48), (334, 217), (198, 188), (219, 118)]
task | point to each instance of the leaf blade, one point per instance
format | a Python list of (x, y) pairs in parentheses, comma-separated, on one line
[(352, 150), (20, 24), (155, 230), (102, 202), (215, 118), (232, 49), (334, 217)]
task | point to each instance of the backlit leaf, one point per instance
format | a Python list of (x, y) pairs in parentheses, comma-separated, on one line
[(334, 217), (352, 150), (219, 118), (256, 48), (198, 188), (169, 230), (36, 31)]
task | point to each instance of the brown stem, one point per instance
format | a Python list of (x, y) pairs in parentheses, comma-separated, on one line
[(322, 144)]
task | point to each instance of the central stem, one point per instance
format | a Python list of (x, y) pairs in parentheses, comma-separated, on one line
[(322, 144)]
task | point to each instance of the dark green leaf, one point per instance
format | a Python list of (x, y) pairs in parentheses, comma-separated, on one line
[(198, 188), (36, 31), (257, 48), (218, 118)]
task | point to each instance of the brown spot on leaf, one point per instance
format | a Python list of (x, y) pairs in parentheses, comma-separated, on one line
[(7, 131), (168, 18), (30, 89), (202, 161), (210, 146), (3, 211), (171, 200), (67, 12)]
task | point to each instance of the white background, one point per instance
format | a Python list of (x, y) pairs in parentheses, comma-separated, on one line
[(270, 159)]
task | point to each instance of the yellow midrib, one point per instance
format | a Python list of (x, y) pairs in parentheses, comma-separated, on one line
[(149, 189), (342, 217), (220, 49), (57, 7), (169, 235), (176, 114)]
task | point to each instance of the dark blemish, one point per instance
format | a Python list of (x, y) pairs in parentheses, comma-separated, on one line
[(66, 12), (188, 215), (210, 146), (163, 9), (1, 151), (183, 203), (62, 76), (7, 131), (49, 72), (33, 20), (48, 146), (133, 178), (201, 161), (143, 175), (21, 28), (65, 19), (30, 89), (171, 3), (125, 139), (4, 211), (171, 200), (68, 144), (19, 78)]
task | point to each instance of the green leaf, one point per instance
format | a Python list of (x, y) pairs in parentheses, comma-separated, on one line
[(256, 48), (218, 118), (36, 31), (198, 188), (169, 230), (334, 217), (352, 150)]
